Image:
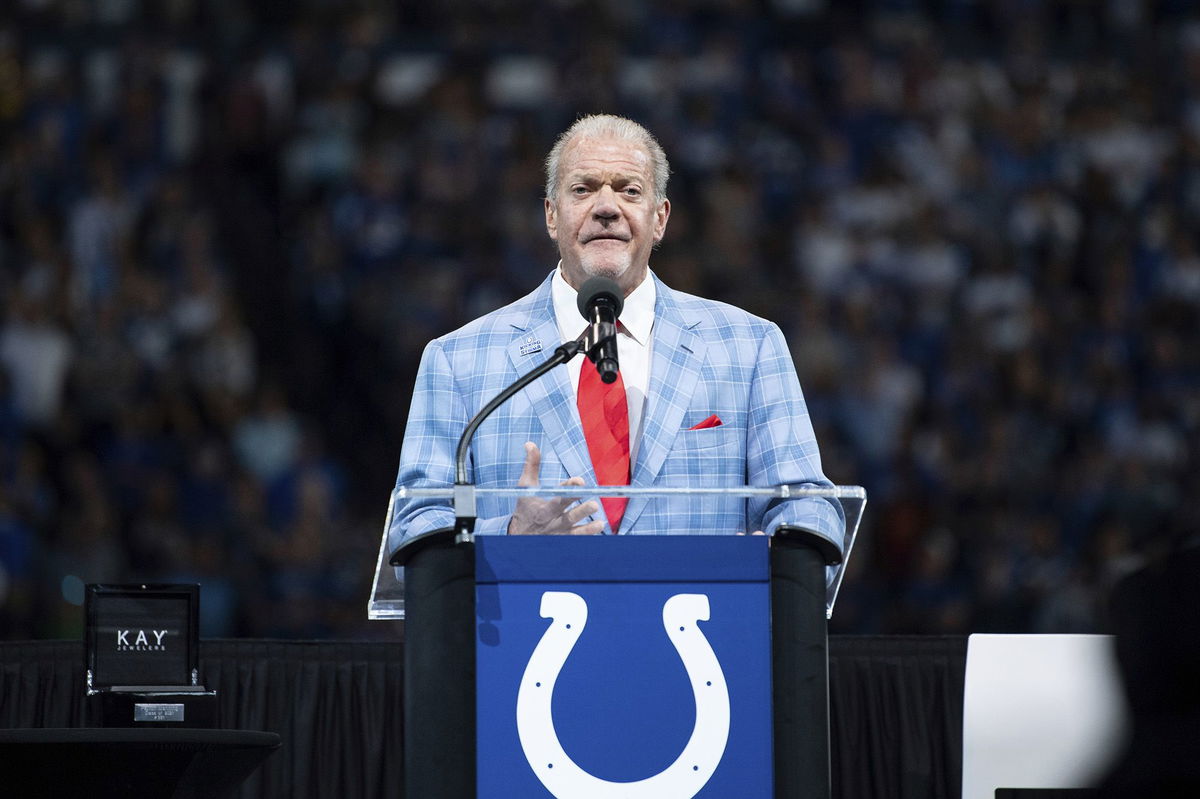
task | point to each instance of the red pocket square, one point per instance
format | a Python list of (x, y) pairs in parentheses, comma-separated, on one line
[(712, 421)]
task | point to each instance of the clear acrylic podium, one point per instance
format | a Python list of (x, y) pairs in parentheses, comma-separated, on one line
[(387, 592), (447, 595)]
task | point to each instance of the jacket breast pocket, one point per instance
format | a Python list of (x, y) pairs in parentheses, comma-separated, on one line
[(706, 438), (712, 457)]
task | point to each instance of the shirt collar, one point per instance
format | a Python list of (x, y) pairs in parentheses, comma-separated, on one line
[(637, 314)]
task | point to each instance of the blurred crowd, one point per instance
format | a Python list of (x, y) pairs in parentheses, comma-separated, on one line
[(228, 228)]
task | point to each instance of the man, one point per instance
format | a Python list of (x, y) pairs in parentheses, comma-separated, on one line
[(711, 397)]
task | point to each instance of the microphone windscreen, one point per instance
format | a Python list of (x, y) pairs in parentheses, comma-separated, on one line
[(598, 289)]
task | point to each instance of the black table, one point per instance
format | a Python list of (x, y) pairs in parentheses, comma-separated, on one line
[(149, 763)]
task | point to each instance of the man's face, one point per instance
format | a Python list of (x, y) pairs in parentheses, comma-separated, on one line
[(605, 217)]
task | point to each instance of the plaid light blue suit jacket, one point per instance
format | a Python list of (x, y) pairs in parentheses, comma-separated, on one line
[(707, 358)]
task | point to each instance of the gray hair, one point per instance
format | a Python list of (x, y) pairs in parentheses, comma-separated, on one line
[(608, 126)]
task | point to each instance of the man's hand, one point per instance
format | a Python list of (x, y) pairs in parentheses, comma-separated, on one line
[(554, 516)]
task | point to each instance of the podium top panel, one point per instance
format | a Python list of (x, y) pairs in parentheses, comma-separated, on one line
[(567, 558)]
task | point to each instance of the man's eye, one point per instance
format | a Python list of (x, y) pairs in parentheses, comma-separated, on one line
[(579, 190), (633, 191)]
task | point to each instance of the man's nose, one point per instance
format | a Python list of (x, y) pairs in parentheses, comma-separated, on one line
[(606, 204)]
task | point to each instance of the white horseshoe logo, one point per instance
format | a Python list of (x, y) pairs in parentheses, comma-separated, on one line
[(690, 772)]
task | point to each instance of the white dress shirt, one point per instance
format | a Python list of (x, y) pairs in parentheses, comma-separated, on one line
[(633, 345)]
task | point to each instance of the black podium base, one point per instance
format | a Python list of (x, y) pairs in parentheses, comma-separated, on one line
[(98, 763)]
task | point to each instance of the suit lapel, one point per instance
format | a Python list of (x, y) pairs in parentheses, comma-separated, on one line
[(678, 355), (551, 397)]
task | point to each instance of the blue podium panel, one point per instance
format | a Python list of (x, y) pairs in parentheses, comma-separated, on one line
[(623, 667)]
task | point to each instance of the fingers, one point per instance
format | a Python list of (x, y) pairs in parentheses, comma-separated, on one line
[(561, 504), (533, 464), (591, 528), (582, 511), (537, 517)]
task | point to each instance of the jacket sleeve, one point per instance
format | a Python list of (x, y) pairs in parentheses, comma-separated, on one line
[(782, 449), (436, 418)]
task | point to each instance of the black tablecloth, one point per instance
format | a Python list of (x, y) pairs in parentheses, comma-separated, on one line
[(115, 763), (896, 711), (896, 707)]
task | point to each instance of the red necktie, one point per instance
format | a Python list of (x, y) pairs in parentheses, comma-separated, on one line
[(605, 416)]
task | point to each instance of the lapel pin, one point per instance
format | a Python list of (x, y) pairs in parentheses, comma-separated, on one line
[(531, 345)]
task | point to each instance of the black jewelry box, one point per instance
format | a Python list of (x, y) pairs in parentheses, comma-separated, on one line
[(143, 657)]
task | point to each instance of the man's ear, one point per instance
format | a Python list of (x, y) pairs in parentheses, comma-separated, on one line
[(551, 219), (660, 220)]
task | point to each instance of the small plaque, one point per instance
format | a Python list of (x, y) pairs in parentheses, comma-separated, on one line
[(157, 711)]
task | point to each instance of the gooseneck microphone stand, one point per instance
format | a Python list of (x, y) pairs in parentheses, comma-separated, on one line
[(464, 490)]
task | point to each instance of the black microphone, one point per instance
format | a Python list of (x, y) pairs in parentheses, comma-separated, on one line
[(600, 302)]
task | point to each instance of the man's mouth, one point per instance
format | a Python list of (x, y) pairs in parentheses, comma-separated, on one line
[(605, 237)]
